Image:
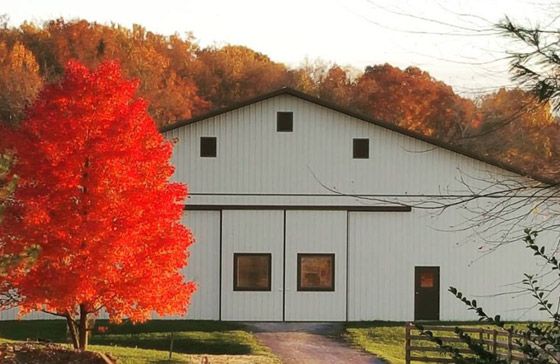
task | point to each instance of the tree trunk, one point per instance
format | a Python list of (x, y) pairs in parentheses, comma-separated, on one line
[(79, 328), (83, 328), (72, 329)]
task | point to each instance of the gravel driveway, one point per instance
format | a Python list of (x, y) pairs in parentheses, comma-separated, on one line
[(309, 343)]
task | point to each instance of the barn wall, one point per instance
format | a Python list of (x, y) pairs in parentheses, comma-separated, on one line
[(204, 262), (12, 314), (384, 248), (252, 232), (253, 158), (315, 232), (257, 165)]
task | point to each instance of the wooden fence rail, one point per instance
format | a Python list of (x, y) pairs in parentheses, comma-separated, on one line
[(499, 342)]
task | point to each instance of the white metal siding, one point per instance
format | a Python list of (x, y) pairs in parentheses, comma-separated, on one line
[(254, 158), (257, 165), (204, 261), (12, 314), (315, 232), (385, 247), (252, 232), (202, 268)]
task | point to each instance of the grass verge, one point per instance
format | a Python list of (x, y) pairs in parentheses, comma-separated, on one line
[(386, 339), (220, 342)]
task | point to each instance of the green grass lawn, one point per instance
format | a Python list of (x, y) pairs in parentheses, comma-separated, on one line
[(149, 342), (386, 339)]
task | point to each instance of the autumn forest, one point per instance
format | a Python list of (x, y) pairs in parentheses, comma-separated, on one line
[(180, 80)]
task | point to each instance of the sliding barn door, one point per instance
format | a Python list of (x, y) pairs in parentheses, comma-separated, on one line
[(252, 260), (315, 266)]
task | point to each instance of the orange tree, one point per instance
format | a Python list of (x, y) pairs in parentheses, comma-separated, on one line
[(95, 206), (414, 100)]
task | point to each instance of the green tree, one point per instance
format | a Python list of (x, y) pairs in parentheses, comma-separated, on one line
[(537, 65)]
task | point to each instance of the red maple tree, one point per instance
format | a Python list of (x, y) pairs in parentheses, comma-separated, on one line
[(94, 223)]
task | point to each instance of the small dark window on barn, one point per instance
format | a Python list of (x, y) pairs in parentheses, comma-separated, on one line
[(208, 146), (252, 272), (360, 148), (315, 272), (285, 121)]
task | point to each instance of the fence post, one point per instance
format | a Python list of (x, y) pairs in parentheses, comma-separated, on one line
[(525, 342), (407, 342), (494, 342), (510, 348), (171, 346)]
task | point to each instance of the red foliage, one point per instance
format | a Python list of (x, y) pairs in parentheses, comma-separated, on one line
[(94, 200)]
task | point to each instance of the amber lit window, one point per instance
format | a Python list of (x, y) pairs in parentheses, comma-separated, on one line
[(427, 279), (315, 272), (251, 272)]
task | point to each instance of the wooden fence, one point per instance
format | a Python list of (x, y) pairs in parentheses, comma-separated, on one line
[(499, 342)]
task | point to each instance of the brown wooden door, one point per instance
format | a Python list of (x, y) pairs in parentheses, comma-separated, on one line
[(426, 293)]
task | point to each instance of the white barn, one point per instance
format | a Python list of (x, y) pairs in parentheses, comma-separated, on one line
[(304, 211), (281, 235)]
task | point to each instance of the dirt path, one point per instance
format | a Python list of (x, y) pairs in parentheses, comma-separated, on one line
[(309, 343)]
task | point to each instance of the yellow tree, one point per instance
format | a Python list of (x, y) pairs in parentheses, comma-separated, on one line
[(148, 57), (157, 61), (301, 79), (6, 186), (20, 81), (336, 86), (233, 73), (516, 128)]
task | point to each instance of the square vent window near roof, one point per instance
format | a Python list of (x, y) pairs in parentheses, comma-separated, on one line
[(208, 147), (284, 121), (360, 148)]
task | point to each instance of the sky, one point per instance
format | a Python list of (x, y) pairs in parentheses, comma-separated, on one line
[(454, 40)]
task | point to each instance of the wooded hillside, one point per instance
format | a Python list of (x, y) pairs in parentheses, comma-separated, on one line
[(180, 79)]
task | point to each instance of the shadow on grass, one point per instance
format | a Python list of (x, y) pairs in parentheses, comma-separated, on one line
[(49, 330), (227, 342), (190, 337)]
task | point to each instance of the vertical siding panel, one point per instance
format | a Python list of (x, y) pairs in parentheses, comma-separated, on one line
[(252, 232), (315, 232), (253, 157), (204, 256), (383, 256)]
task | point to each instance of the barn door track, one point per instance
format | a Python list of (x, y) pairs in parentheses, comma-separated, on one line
[(309, 343)]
